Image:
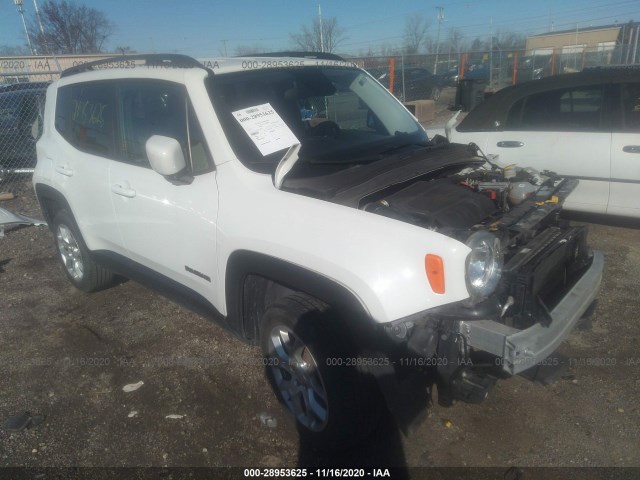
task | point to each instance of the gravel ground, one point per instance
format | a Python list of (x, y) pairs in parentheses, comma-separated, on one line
[(67, 355)]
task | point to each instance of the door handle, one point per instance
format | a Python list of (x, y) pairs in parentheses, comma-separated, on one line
[(510, 144), (64, 170), (122, 190), (631, 148)]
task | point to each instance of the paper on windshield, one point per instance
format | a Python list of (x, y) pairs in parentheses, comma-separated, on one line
[(266, 128)]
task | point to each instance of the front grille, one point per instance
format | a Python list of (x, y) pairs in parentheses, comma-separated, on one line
[(540, 273)]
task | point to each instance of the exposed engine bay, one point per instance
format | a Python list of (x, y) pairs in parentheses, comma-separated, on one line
[(541, 253)]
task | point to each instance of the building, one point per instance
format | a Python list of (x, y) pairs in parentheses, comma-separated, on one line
[(602, 38)]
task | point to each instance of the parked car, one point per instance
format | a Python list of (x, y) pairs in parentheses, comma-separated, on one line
[(476, 71), (418, 83), (451, 76), (20, 123), (298, 203), (582, 125), (533, 68)]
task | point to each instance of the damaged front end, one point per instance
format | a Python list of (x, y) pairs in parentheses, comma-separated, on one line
[(530, 277)]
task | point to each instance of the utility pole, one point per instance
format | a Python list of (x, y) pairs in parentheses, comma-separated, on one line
[(20, 8), (35, 5), (224, 43), (440, 19), (491, 53), (321, 33)]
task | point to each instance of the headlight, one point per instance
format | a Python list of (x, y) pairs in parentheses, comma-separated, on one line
[(484, 264)]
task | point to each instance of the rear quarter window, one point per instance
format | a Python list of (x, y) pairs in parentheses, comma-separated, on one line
[(85, 117)]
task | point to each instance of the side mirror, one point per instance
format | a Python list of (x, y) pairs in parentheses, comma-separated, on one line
[(165, 155)]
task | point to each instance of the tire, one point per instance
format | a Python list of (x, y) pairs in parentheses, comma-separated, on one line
[(74, 256), (435, 94), (335, 406)]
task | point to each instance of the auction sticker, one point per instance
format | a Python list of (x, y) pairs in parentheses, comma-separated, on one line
[(266, 128)]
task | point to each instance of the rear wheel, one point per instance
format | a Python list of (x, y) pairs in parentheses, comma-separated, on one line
[(74, 256), (311, 367)]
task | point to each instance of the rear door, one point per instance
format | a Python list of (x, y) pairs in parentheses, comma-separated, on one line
[(86, 118), (625, 156)]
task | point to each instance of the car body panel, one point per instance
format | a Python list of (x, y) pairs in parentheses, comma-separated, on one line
[(572, 154), (625, 174), (167, 227), (608, 175)]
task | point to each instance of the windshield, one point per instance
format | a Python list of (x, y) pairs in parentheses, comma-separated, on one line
[(340, 116)]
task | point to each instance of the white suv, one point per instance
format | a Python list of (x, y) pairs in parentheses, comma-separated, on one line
[(302, 206)]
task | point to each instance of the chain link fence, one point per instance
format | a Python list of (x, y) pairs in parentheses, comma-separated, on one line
[(23, 83)]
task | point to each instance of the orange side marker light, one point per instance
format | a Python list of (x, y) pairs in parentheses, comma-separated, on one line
[(434, 267)]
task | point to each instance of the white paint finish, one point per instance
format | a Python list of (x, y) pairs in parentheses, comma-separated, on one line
[(168, 227), (625, 197), (379, 259), (581, 154)]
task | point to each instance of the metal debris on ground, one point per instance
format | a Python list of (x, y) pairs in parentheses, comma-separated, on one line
[(268, 420), (173, 416), (10, 218), (132, 387)]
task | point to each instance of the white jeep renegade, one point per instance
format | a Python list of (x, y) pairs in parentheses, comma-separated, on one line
[(302, 206)]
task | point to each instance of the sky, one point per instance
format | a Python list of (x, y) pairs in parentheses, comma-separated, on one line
[(210, 28)]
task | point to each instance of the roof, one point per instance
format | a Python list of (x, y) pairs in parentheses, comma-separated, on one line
[(495, 108), (579, 29), (164, 62)]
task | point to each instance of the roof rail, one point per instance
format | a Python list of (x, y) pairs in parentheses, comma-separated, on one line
[(151, 59), (314, 55)]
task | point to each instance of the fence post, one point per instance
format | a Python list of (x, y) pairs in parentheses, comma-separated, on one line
[(463, 61), (392, 72)]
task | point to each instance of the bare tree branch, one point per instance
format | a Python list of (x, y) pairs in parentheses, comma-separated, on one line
[(415, 33), (308, 39), (70, 28)]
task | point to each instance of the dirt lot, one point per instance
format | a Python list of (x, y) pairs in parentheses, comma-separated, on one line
[(67, 355)]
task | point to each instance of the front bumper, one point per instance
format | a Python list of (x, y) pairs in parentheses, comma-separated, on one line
[(520, 350)]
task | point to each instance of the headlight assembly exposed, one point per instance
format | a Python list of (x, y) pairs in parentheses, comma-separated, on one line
[(484, 264)]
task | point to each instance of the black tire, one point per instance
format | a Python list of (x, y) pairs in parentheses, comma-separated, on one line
[(435, 94), (74, 256), (349, 399)]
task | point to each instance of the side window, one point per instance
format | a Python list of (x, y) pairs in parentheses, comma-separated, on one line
[(159, 108), (85, 117), (568, 109), (631, 107)]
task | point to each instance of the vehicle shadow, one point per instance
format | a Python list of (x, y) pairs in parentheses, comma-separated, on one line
[(383, 450), (601, 219)]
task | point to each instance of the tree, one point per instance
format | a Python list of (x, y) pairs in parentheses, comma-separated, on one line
[(455, 41), (509, 40), (70, 28), (310, 40), (124, 50), (415, 32)]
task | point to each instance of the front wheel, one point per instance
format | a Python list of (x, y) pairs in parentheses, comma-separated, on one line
[(311, 367), (74, 256)]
